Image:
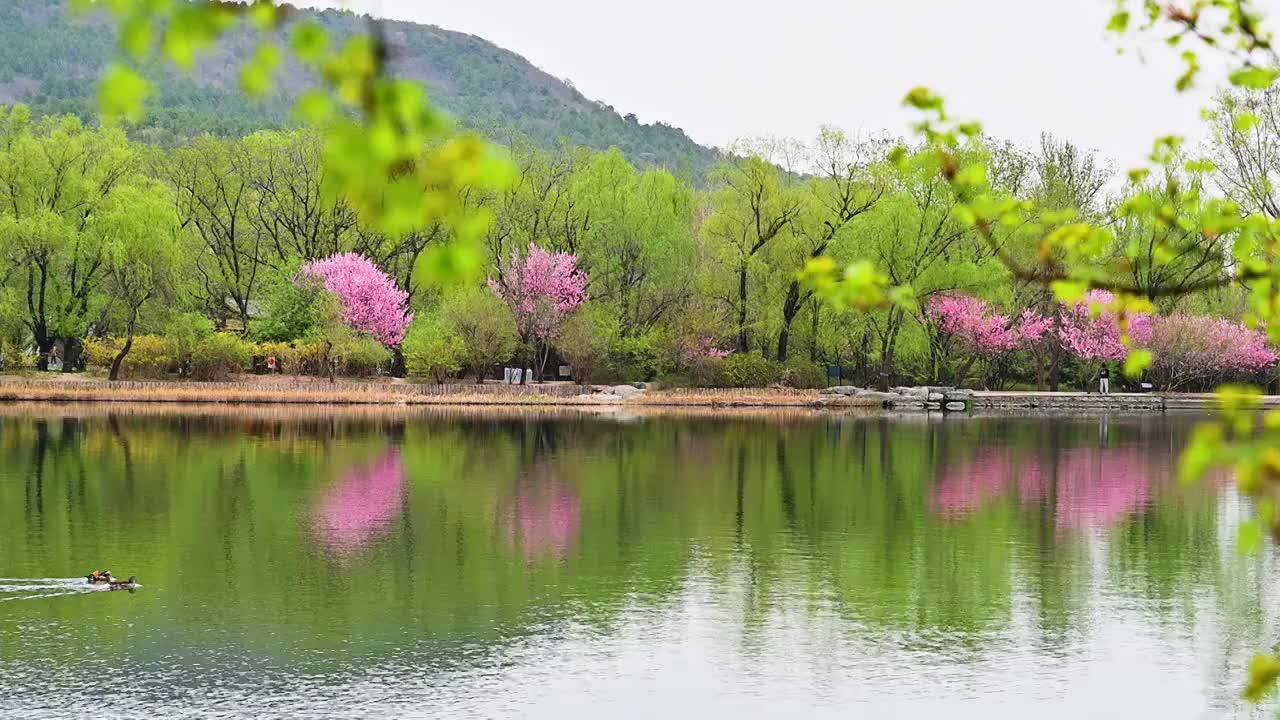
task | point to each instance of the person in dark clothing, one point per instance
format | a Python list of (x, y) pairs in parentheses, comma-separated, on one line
[(1104, 381)]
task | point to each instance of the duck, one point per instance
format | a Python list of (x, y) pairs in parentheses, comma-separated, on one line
[(130, 584), (99, 577)]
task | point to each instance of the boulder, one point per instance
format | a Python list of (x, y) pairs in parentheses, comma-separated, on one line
[(877, 395), (959, 395), (915, 392), (624, 391), (936, 397), (956, 407), (846, 390), (933, 406)]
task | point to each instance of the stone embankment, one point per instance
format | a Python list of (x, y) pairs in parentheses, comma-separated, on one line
[(920, 399), (949, 399)]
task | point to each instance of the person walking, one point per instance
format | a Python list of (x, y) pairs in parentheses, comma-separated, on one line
[(1104, 381)]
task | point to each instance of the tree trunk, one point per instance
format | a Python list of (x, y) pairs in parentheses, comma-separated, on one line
[(790, 309), (1055, 361), (73, 349), (743, 341), (328, 360), (540, 363), (44, 346), (119, 358), (886, 368), (398, 368), (1055, 368), (816, 317)]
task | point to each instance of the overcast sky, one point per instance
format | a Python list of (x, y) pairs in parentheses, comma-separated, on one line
[(725, 69)]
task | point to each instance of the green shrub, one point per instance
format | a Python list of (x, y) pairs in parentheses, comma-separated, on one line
[(150, 356), (98, 352), (302, 359), (219, 356), (638, 358), (803, 375), (432, 347), (486, 326), (585, 342), (14, 357), (187, 332), (359, 356), (745, 370)]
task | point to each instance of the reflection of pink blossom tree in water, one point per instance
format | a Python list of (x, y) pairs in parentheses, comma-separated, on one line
[(361, 504), (543, 519), (1089, 486)]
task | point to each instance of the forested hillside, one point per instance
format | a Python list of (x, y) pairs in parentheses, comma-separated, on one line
[(50, 59)]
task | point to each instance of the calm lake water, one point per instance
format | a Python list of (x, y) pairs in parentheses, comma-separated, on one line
[(315, 563)]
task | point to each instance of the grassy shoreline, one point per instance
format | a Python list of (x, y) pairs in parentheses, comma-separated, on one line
[(305, 392), (386, 393)]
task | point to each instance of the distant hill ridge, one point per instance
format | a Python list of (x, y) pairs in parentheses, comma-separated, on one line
[(51, 59)]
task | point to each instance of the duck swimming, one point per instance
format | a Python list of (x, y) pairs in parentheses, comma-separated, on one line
[(104, 577), (130, 584), (99, 577)]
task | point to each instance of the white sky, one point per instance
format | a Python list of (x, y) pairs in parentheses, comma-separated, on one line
[(726, 69)]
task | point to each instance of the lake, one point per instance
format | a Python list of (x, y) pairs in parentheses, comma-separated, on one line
[(321, 562)]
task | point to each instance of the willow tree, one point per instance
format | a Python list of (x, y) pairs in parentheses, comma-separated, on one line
[(216, 202), (753, 205), (54, 175), (848, 182), (638, 247), (916, 239), (138, 231)]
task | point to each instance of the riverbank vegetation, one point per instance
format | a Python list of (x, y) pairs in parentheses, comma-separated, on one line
[(210, 258)]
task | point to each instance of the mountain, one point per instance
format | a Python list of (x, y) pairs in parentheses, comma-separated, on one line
[(51, 59)]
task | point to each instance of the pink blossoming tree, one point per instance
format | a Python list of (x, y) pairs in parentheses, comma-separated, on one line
[(542, 288), (1191, 351), (978, 333), (371, 301), (1094, 336), (1195, 352)]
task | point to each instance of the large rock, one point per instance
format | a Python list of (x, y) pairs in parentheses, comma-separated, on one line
[(914, 392), (625, 391), (936, 397), (956, 407), (954, 395), (877, 395), (845, 390)]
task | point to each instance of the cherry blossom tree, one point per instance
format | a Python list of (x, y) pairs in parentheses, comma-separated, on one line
[(542, 288), (979, 332), (1098, 336), (1200, 352), (371, 301)]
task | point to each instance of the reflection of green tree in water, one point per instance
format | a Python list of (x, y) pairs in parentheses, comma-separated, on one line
[(781, 515)]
